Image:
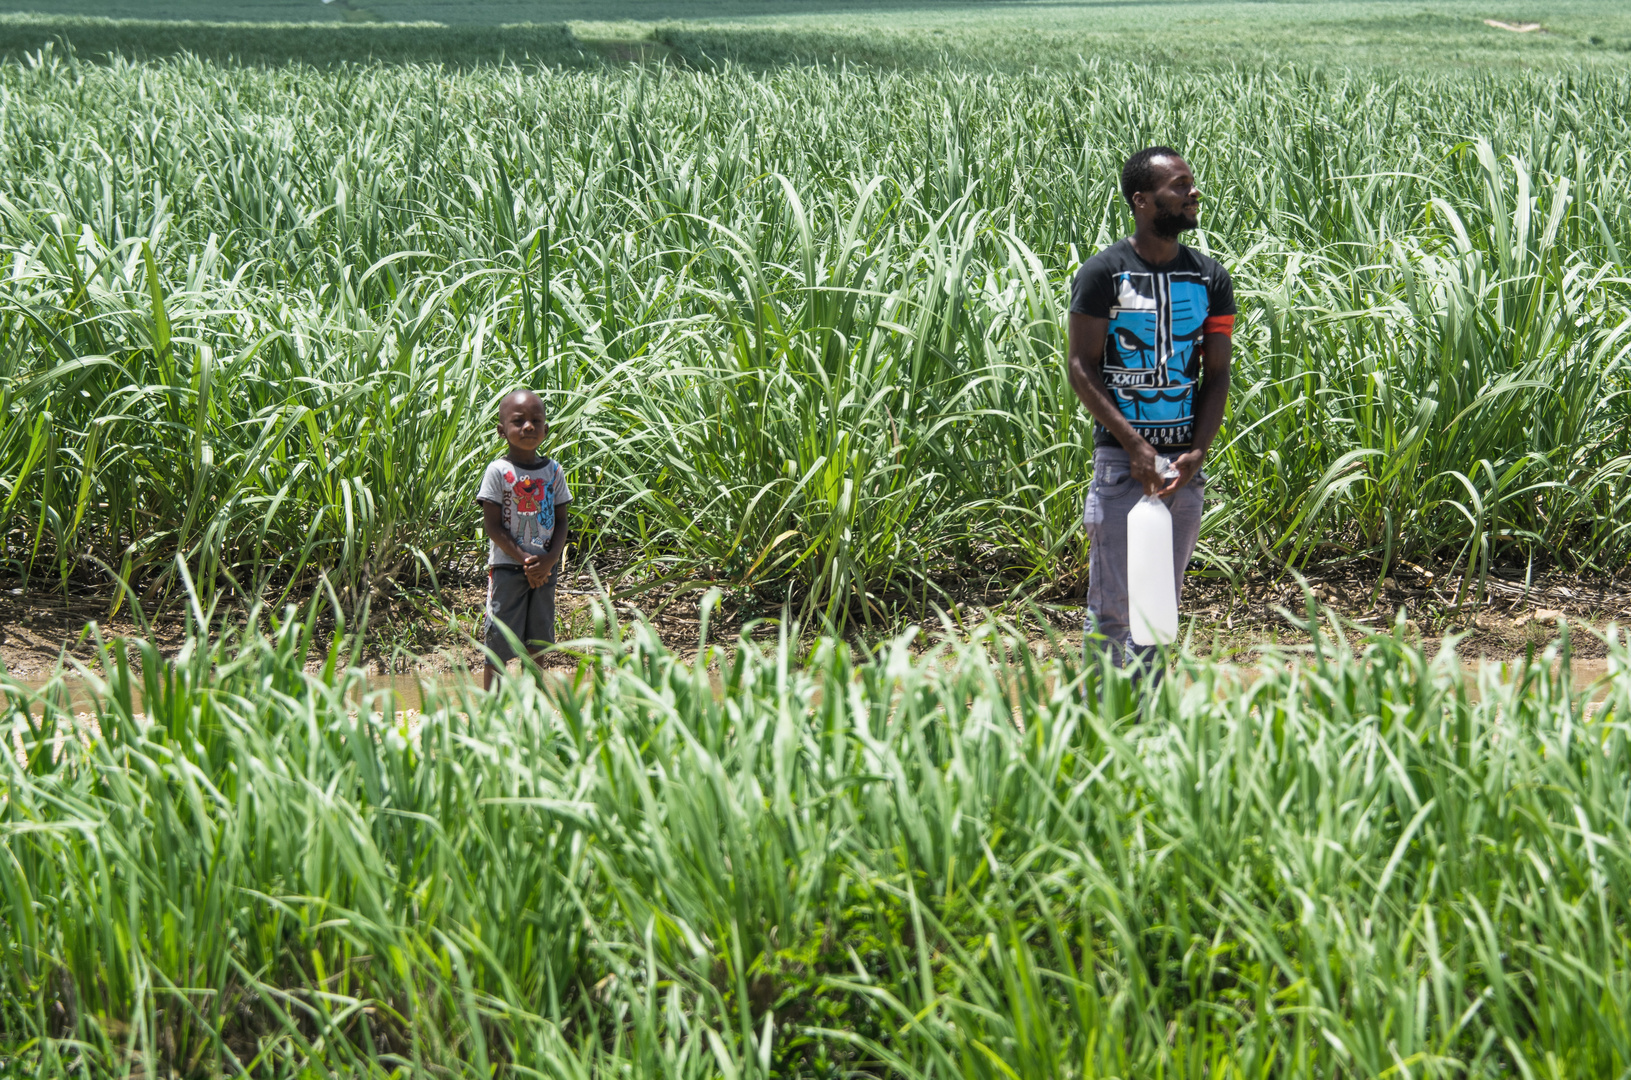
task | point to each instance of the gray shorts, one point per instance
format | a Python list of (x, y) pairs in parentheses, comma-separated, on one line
[(528, 613), (1112, 494)]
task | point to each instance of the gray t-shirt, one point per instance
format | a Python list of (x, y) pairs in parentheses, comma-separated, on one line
[(528, 499)]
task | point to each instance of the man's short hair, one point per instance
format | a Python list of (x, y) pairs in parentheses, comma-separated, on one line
[(1139, 172)]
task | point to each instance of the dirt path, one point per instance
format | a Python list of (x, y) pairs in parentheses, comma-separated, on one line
[(429, 634)]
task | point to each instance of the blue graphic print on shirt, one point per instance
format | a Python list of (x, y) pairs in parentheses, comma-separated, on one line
[(1150, 362), (1151, 356)]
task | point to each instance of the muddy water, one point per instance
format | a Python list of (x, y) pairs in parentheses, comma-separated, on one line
[(409, 690), (1590, 675)]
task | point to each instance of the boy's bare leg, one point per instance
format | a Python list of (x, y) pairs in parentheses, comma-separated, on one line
[(491, 674)]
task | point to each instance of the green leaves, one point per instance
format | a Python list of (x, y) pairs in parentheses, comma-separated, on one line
[(811, 861), (800, 332)]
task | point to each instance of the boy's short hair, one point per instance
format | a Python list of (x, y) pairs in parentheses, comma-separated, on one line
[(519, 391), (1139, 172)]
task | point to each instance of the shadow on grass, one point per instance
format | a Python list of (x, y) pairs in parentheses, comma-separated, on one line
[(318, 44)]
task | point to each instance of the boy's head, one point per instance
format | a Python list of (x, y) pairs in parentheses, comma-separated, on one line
[(521, 421)]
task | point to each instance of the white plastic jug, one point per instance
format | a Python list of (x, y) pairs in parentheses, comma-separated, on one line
[(1152, 593)]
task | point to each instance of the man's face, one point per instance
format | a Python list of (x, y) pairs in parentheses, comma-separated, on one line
[(521, 422), (1173, 203)]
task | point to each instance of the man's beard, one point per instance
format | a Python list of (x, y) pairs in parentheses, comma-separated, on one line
[(1169, 225)]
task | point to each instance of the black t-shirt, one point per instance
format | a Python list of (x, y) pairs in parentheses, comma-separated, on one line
[(1157, 317)]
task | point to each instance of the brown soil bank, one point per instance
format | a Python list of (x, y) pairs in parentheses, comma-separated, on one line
[(420, 631)]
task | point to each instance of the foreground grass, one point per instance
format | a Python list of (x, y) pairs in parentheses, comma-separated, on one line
[(819, 864)]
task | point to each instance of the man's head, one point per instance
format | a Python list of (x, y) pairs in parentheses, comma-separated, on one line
[(521, 421), (1160, 189)]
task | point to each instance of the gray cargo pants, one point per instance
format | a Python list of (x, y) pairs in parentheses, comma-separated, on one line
[(1111, 495)]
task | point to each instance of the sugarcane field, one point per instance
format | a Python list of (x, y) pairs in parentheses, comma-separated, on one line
[(834, 539)]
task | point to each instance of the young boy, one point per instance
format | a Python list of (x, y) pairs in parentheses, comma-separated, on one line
[(523, 501)]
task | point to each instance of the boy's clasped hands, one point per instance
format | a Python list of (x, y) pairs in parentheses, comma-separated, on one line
[(537, 568)]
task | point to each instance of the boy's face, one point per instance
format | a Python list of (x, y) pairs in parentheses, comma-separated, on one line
[(521, 422)]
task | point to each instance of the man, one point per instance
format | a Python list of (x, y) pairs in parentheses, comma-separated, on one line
[(1150, 325)]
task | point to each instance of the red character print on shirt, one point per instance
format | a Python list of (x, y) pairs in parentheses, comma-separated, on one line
[(529, 494)]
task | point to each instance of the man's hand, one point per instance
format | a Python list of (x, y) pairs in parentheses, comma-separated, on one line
[(537, 568), (1141, 458), (1187, 464)]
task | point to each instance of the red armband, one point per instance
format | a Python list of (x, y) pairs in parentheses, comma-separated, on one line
[(1219, 324)]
